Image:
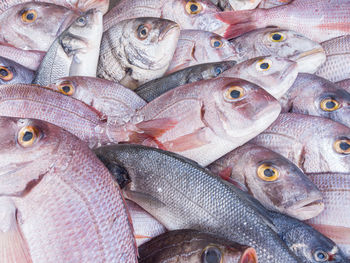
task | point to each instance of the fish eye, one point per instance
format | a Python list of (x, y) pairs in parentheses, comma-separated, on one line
[(277, 37), (321, 256), (27, 136), (263, 65), (211, 254), (142, 32), (81, 21), (329, 104), (29, 16), (218, 71), (342, 146), (192, 7), (66, 88), (267, 173), (5, 74), (234, 93), (216, 42)]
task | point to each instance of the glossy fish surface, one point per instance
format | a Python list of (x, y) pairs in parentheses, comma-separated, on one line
[(12, 72)]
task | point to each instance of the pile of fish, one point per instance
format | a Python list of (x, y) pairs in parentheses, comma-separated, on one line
[(207, 131)]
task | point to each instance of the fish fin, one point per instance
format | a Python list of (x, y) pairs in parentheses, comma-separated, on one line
[(189, 141), (239, 22), (249, 256), (225, 174), (13, 247), (156, 128), (145, 201)]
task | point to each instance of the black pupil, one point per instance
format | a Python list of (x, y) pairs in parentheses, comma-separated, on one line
[(321, 255), (276, 37), (27, 136), (218, 71), (330, 104), (344, 146), (269, 172), (30, 16), (264, 66), (143, 32), (4, 72), (66, 89), (235, 94), (212, 255), (193, 8), (217, 43)]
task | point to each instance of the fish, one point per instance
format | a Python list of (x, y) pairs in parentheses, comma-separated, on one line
[(344, 84), (273, 3), (111, 99), (75, 52), (337, 65), (197, 47), (227, 5), (145, 226), (67, 208), (278, 184), (161, 181), (334, 221), (313, 95), (137, 50), (154, 88), (274, 74), (281, 43), (223, 5), (25, 24), (194, 246), (12, 72), (318, 20), (314, 144)]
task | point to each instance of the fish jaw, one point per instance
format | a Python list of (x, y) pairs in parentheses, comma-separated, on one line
[(310, 61), (306, 209), (288, 77)]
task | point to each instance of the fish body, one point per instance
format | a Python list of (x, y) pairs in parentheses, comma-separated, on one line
[(161, 181), (281, 43), (273, 3), (194, 246), (12, 72), (337, 65), (313, 95), (285, 188), (28, 22), (67, 209), (154, 88), (75, 52), (344, 84), (137, 50)]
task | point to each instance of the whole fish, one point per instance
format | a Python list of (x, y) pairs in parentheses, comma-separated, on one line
[(110, 98), (12, 72), (334, 221), (273, 180), (344, 84), (145, 226), (194, 246), (182, 195), (34, 25), (318, 20), (75, 52), (273, 3), (67, 209), (314, 144), (137, 50), (197, 47), (317, 96), (154, 88), (337, 65), (282, 43)]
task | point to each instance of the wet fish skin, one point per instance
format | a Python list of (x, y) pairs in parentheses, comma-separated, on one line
[(110, 98), (273, 3), (224, 5), (337, 65), (309, 142), (307, 53), (344, 84), (194, 246), (244, 4), (197, 47), (311, 94), (291, 192), (75, 52), (132, 61), (154, 88), (161, 180), (49, 22), (12, 72), (68, 196)]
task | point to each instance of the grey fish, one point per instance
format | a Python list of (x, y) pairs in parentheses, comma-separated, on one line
[(344, 84), (181, 194), (153, 89), (224, 5), (12, 72)]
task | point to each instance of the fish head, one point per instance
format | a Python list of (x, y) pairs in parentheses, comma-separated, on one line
[(244, 4), (34, 25), (12, 72), (217, 68), (29, 149), (344, 84), (234, 107)]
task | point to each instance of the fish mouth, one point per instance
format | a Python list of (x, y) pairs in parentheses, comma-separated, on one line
[(309, 61), (66, 22), (306, 209), (167, 30)]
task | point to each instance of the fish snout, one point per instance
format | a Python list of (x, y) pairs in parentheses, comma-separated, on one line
[(166, 28), (307, 207)]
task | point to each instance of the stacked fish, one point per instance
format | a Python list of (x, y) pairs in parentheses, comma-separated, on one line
[(175, 131)]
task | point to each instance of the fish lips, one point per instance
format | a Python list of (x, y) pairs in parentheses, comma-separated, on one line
[(307, 208), (168, 28), (309, 61)]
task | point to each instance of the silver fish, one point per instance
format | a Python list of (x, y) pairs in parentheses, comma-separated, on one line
[(12, 72)]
